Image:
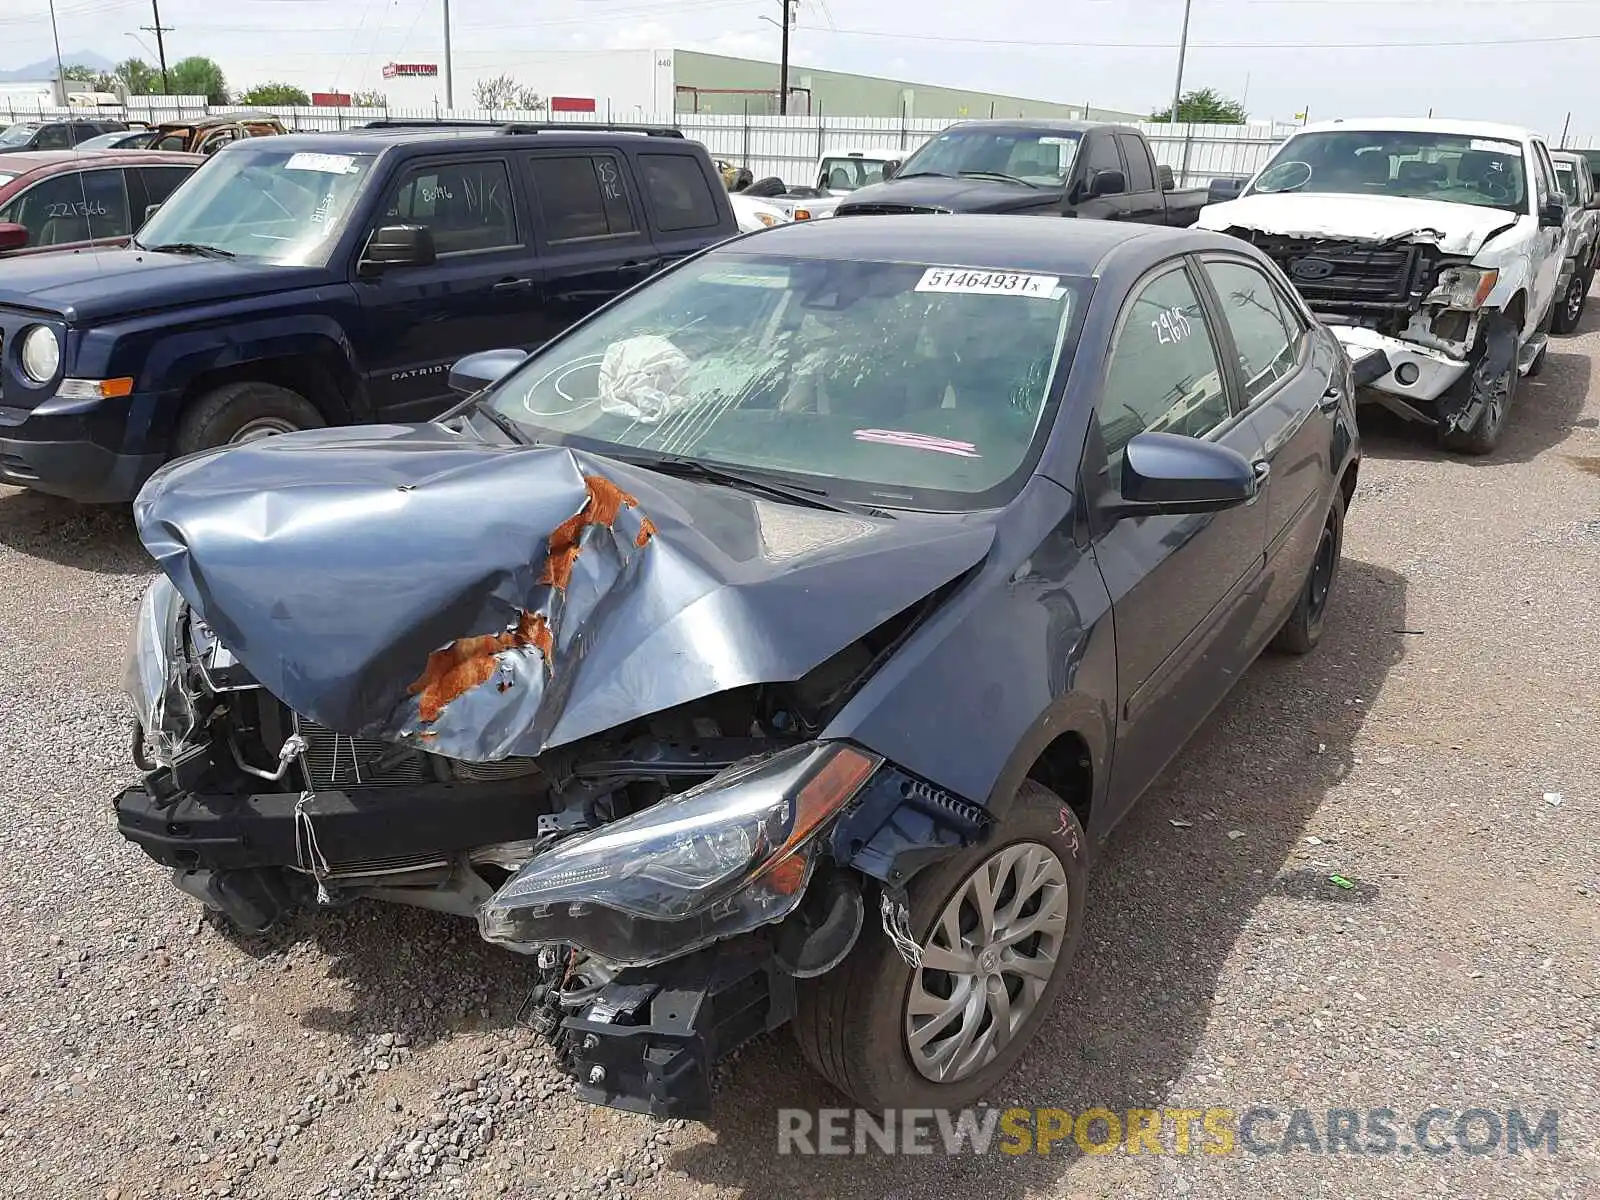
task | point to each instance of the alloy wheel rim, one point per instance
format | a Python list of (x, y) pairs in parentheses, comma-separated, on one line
[(987, 962), (261, 427), (1575, 296)]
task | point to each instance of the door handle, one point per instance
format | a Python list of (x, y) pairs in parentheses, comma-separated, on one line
[(513, 285), (1330, 399)]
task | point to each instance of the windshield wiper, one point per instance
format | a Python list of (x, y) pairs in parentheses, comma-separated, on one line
[(922, 175), (500, 421), (190, 248), (998, 175), (693, 468)]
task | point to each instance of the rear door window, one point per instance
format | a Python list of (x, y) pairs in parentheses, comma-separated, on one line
[(582, 196), (1141, 172), (679, 192), (78, 206), (1269, 350)]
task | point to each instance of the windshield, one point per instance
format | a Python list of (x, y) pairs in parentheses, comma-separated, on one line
[(260, 202), (1039, 158), (1429, 166), (846, 173), (898, 383), (17, 135)]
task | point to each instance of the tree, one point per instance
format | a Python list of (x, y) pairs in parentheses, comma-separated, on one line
[(275, 93), (197, 76), (138, 77), (505, 92), (370, 100), (98, 81), (1205, 106)]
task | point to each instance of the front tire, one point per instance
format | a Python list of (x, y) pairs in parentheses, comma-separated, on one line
[(943, 1035), (237, 413), (1497, 392)]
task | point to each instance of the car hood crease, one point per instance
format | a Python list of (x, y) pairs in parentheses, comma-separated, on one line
[(484, 601), (1454, 228)]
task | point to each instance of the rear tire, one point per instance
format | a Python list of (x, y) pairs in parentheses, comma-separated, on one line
[(1303, 630), (243, 412), (852, 1023)]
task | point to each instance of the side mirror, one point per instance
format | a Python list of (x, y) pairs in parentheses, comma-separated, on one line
[(1219, 191), (1107, 183), (1553, 214), (477, 371), (12, 236), (892, 168), (1165, 179), (398, 246), (1167, 473)]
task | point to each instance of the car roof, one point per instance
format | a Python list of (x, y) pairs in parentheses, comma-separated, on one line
[(1487, 129), (1037, 125), (1570, 157), (863, 150), (376, 140), (1067, 247), (237, 118), (32, 160)]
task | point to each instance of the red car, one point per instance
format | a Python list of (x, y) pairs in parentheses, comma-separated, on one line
[(65, 199)]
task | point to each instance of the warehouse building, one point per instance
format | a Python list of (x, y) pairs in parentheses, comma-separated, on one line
[(655, 84)]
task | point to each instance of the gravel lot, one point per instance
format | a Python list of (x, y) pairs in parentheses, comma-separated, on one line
[(1439, 747)]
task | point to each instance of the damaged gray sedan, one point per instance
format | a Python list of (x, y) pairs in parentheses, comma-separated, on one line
[(773, 647)]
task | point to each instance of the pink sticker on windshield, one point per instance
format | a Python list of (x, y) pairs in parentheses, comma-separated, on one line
[(917, 441)]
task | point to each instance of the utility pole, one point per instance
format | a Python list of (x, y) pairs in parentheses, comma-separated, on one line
[(1183, 49), (161, 46), (783, 71), (449, 83), (61, 72)]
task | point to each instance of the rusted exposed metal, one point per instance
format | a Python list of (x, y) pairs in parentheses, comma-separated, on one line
[(470, 662)]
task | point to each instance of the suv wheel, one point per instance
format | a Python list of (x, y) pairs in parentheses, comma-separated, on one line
[(243, 412), (997, 925)]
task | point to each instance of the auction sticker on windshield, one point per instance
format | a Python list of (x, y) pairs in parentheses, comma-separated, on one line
[(988, 283), (1494, 147), (327, 164)]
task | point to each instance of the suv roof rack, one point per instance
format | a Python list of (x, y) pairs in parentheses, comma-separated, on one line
[(514, 127)]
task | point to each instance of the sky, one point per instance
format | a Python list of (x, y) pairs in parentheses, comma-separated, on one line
[(1527, 62)]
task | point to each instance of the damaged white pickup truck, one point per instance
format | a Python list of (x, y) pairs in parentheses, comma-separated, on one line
[(1441, 243)]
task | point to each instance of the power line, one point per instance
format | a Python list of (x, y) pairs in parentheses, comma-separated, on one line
[(1074, 45)]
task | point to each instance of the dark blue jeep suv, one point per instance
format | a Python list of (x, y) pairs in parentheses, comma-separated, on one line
[(300, 281)]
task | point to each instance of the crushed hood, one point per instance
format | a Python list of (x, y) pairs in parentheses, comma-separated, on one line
[(1455, 228), (481, 601)]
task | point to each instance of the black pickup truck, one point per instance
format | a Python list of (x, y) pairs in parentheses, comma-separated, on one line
[(1041, 167)]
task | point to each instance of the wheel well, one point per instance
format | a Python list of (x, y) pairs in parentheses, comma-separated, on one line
[(1067, 770), (323, 379), (1517, 310), (1347, 483)]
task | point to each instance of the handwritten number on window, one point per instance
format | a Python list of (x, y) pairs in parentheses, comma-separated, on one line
[(1172, 325)]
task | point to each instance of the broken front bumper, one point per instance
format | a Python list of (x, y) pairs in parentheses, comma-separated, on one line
[(1412, 372)]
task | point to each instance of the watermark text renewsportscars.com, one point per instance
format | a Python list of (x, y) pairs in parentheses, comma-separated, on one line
[(1259, 1129)]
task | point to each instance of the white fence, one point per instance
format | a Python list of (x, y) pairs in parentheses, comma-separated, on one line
[(787, 147)]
